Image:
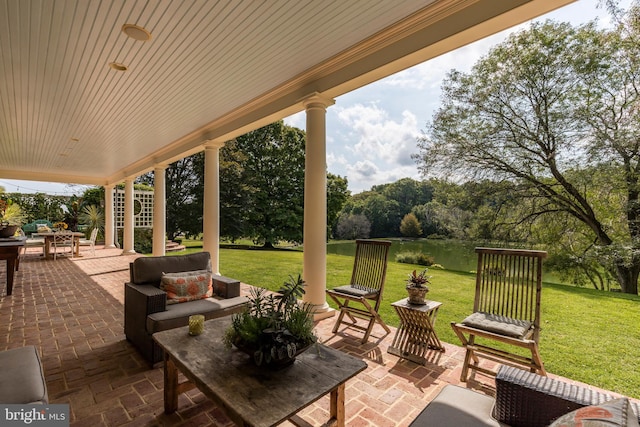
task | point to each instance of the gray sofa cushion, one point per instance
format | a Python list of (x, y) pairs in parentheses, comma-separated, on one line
[(457, 406), (22, 380), (498, 324), (177, 315)]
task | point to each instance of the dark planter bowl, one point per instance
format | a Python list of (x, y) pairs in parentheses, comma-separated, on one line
[(8, 230), (282, 360)]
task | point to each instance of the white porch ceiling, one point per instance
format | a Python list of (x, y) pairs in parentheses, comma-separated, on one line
[(211, 71)]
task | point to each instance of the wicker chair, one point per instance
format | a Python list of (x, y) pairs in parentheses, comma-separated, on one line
[(506, 310), (365, 288)]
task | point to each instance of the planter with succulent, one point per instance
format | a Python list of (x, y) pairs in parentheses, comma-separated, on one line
[(11, 218), (274, 328), (417, 286)]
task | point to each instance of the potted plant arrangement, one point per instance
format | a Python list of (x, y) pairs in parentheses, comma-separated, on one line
[(417, 286), (11, 218), (274, 328)]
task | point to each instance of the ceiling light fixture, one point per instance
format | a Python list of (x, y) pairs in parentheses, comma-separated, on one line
[(117, 66), (136, 32)]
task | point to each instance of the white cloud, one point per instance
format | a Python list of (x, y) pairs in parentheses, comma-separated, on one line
[(365, 169), (298, 120), (379, 138), (336, 161), (376, 147)]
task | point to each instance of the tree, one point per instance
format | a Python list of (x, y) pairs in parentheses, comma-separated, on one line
[(384, 214), (337, 196), (539, 108), (39, 205), (409, 226), (406, 192), (72, 212), (351, 227), (93, 196), (273, 175), (184, 184), (261, 188), (234, 194)]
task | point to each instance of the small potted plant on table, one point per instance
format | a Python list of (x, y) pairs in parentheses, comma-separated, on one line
[(10, 218), (417, 286)]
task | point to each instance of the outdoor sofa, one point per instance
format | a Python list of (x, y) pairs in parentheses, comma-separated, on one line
[(523, 399), (149, 309)]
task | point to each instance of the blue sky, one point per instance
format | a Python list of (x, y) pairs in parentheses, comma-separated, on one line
[(372, 131)]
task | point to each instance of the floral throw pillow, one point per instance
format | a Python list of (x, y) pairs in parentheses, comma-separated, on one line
[(186, 286), (614, 413)]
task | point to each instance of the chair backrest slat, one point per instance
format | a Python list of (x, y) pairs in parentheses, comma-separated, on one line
[(370, 264), (509, 283)]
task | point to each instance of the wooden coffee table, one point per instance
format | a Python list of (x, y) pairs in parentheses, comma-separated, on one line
[(251, 395)]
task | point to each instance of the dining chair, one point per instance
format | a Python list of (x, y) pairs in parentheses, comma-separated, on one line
[(62, 240), (31, 242), (91, 241)]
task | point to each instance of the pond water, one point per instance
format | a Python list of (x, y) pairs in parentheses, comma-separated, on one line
[(451, 254)]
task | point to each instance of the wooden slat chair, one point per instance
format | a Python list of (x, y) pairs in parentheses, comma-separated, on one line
[(365, 288), (506, 309)]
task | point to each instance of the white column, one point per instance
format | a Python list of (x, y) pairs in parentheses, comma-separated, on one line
[(109, 217), (211, 214), (127, 239), (159, 210), (315, 206)]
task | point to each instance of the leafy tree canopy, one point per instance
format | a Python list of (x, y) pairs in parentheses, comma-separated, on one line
[(539, 110)]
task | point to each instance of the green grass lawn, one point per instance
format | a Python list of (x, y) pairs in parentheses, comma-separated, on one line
[(587, 335)]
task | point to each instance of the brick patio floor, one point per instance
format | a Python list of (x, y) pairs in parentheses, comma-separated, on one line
[(72, 311)]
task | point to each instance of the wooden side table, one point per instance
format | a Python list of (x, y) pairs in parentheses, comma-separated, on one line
[(415, 335)]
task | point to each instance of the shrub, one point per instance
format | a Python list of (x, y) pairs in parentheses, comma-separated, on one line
[(415, 258), (142, 240)]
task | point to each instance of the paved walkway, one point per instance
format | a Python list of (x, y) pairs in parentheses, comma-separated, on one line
[(72, 311)]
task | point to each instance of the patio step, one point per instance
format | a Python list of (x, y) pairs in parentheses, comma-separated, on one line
[(171, 246)]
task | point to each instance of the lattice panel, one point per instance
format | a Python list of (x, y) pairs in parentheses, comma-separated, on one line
[(142, 208)]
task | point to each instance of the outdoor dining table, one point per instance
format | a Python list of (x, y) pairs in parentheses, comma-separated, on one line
[(48, 240)]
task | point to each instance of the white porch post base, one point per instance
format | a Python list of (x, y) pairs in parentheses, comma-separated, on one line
[(323, 313)]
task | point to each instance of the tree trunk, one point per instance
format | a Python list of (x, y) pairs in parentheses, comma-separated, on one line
[(628, 277)]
